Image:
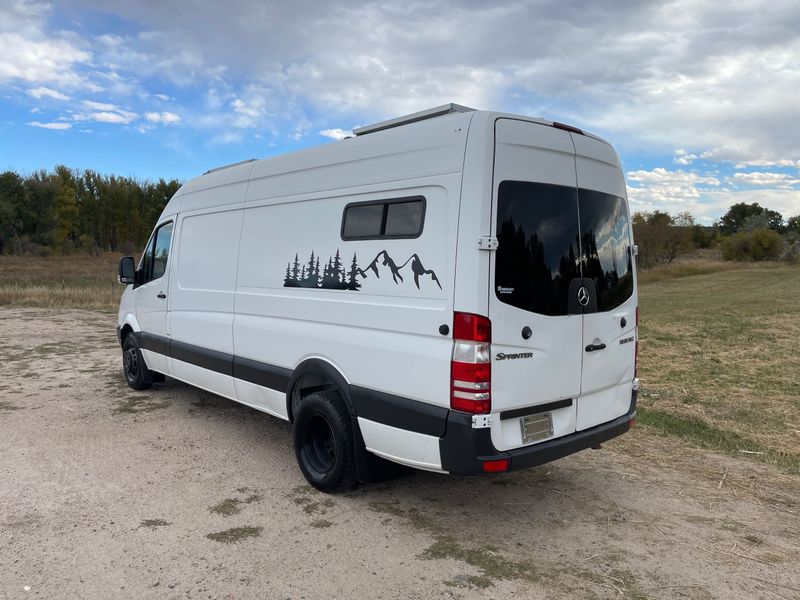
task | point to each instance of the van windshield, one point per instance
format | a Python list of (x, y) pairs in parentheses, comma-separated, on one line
[(549, 235)]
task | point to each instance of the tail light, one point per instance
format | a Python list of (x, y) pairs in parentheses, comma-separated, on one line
[(471, 366)]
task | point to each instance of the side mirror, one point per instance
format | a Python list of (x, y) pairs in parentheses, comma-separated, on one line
[(127, 270)]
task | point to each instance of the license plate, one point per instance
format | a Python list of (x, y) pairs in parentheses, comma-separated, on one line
[(536, 427)]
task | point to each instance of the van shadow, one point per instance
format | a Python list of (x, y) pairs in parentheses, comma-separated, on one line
[(555, 493)]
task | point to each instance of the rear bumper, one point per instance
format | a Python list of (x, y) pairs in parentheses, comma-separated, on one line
[(464, 449)]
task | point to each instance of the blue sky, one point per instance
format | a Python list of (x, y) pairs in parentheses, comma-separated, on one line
[(699, 98)]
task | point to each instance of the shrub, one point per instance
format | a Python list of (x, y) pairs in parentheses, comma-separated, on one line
[(759, 244)]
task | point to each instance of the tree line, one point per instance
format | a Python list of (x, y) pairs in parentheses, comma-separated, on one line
[(64, 210), (745, 232)]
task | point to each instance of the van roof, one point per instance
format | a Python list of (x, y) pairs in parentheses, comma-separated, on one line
[(430, 131)]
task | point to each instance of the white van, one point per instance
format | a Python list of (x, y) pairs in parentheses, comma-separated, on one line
[(451, 291)]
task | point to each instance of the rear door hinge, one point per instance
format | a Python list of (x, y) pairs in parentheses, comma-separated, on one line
[(487, 242), (481, 421)]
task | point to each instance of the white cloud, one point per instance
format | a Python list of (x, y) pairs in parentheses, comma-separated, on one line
[(661, 176), (56, 126), (707, 196), (761, 179), (45, 92), (40, 61), (116, 116), (163, 97), (336, 134), (768, 163), (165, 118), (662, 189), (682, 157), (92, 105)]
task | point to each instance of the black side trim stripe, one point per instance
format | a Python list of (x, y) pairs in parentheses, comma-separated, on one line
[(395, 411), (276, 378), (534, 410), (201, 357), (400, 412), (154, 343)]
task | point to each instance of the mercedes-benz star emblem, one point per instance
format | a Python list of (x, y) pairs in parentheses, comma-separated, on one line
[(583, 295)]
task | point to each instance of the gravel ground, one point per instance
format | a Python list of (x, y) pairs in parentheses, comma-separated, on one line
[(177, 493)]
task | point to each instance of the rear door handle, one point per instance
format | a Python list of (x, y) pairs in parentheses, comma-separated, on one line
[(593, 347), (162, 295)]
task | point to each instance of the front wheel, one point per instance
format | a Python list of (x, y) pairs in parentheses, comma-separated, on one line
[(323, 442), (138, 376)]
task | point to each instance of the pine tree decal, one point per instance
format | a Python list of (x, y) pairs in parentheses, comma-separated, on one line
[(296, 269), (352, 282), (287, 280)]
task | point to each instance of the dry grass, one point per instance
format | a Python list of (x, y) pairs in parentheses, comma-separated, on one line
[(76, 281), (697, 266), (719, 364)]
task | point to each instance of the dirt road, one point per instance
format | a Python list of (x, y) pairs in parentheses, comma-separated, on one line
[(176, 493)]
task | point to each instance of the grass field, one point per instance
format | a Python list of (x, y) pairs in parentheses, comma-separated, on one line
[(76, 281), (719, 362)]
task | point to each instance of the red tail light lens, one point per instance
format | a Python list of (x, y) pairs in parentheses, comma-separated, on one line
[(471, 328), (471, 366), (495, 466)]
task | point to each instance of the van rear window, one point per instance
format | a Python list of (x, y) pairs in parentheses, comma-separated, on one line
[(537, 255), (606, 247), (549, 235), (396, 218)]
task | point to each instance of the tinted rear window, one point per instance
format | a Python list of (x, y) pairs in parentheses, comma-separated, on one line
[(537, 256), (606, 247), (544, 244)]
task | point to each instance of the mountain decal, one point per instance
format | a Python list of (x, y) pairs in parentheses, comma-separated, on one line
[(335, 275)]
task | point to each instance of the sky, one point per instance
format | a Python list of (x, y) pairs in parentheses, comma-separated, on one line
[(700, 98)]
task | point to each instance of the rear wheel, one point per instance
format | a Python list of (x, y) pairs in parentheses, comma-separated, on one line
[(138, 376), (323, 442)]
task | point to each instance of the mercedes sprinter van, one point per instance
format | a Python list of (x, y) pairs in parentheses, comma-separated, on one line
[(453, 291)]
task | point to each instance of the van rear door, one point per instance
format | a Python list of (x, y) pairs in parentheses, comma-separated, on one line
[(609, 322), (537, 333)]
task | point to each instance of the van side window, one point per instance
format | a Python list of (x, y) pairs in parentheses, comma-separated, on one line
[(154, 260), (397, 218)]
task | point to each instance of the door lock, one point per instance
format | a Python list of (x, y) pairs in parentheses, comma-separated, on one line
[(161, 295)]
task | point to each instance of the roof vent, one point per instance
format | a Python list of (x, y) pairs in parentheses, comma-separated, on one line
[(445, 109)]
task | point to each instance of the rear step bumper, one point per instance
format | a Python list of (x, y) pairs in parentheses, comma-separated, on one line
[(464, 449)]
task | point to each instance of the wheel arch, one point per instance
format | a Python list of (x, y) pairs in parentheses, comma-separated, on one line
[(314, 374), (127, 325)]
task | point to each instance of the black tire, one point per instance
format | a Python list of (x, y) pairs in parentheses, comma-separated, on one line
[(323, 442), (138, 376)]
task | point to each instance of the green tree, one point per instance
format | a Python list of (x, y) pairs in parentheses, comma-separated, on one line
[(757, 245), (793, 225), (65, 207), (12, 198), (737, 215), (659, 239)]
